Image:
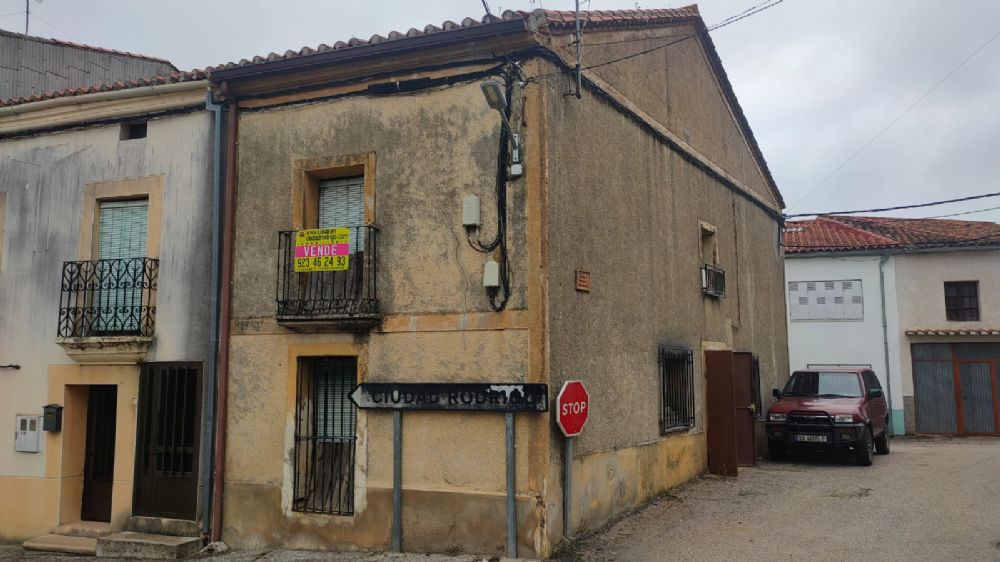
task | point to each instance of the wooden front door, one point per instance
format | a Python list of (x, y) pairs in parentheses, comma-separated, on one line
[(720, 421), (744, 409), (99, 453), (167, 441)]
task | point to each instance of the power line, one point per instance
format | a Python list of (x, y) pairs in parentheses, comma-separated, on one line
[(9, 14), (898, 207), (965, 213), (730, 20), (898, 117), (495, 32)]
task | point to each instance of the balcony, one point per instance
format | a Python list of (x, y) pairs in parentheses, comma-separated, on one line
[(107, 309), (345, 299), (713, 281)]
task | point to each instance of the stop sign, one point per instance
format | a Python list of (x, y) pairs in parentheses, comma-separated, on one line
[(572, 408)]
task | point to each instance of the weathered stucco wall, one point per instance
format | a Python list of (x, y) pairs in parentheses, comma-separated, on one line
[(431, 149), (676, 86), (627, 209), (43, 179), (920, 282)]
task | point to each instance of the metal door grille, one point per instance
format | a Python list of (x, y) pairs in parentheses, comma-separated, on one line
[(168, 440), (758, 400), (325, 423), (677, 389)]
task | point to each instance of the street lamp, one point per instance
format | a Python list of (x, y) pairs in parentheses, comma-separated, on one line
[(493, 92)]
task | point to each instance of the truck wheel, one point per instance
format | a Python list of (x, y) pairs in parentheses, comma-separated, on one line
[(776, 450), (864, 451), (882, 443)]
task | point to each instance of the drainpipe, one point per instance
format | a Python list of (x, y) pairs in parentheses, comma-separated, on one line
[(224, 318), (885, 336), (208, 425)]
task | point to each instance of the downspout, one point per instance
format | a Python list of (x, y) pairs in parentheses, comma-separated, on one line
[(885, 336), (224, 319), (208, 425)]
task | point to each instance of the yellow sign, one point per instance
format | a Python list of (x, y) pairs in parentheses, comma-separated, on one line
[(322, 249)]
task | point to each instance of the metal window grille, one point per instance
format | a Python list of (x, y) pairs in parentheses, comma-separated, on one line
[(961, 300), (755, 388), (713, 281), (325, 437), (676, 389)]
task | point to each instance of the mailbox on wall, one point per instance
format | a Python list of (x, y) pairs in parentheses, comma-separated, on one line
[(52, 418)]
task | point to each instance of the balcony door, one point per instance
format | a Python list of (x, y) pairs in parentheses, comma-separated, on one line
[(342, 204), (121, 245)]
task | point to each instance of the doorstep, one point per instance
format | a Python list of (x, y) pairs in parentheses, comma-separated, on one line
[(147, 546), (63, 544)]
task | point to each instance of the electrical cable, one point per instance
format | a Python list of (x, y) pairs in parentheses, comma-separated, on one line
[(898, 207), (894, 121), (495, 32), (964, 213)]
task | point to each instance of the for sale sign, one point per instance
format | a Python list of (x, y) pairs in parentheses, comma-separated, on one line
[(572, 408), (322, 249)]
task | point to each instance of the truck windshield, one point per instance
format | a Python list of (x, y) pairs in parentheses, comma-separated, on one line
[(824, 385)]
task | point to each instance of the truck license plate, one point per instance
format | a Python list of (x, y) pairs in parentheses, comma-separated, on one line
[(812, 438)]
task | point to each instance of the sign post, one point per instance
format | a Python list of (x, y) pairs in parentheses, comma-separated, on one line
[(572, 411), (463, 397)]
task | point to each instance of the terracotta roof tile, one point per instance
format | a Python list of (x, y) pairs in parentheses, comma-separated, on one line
[(953, 332), (840, 233), (172, 78)]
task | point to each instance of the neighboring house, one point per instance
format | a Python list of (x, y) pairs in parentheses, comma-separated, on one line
[(33, 66), (638, 249), (105, 260), (915, 299)]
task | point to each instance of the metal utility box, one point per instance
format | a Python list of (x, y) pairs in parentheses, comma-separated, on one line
[(53, 418), (28, 433)]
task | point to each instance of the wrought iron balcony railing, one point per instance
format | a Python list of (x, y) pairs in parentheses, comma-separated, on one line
[(348, 295), (115, 297), (713, 281)]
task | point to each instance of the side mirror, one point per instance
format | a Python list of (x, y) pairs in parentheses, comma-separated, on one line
[(874, 393), (776, 393)]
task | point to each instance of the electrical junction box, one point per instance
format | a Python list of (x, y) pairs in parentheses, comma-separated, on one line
[(470, 211), (28, 431), (491, 274)]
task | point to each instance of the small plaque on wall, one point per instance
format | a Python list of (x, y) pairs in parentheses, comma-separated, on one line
[(583, 281)]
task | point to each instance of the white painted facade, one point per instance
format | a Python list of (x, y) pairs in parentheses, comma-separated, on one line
[(814, 343), (914, 300)]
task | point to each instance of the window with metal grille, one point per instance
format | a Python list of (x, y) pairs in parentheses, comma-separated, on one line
[(826, 300), (713, 281), (677, 389), (961, 300), (758, 399), (325, 421)]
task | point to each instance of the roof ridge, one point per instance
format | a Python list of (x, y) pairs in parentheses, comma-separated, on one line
[(87, 47), (835, 219)]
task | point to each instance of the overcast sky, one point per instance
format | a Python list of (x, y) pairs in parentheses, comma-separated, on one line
[(817, 79)]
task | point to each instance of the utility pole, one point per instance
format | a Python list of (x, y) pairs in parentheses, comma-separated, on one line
[(27, 14)]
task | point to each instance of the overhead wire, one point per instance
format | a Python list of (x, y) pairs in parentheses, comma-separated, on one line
[(898, 207), (896, 119), (965, 213)]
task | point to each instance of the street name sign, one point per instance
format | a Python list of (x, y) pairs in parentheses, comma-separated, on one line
[(475, 397), (572, 408)]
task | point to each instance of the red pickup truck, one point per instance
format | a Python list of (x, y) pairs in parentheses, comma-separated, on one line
[(830, 409)]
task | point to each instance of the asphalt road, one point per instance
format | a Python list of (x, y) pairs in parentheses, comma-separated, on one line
[(929, 499)]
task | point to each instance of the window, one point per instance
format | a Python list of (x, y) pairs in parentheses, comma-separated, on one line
[(325, 420), (121, 268), (342, 203), (826, 300), (677, 389), (961, 300), (132, 131), (824, 384), (871, 380)]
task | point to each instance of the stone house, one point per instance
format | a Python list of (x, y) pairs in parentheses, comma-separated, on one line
[(618, 226)]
